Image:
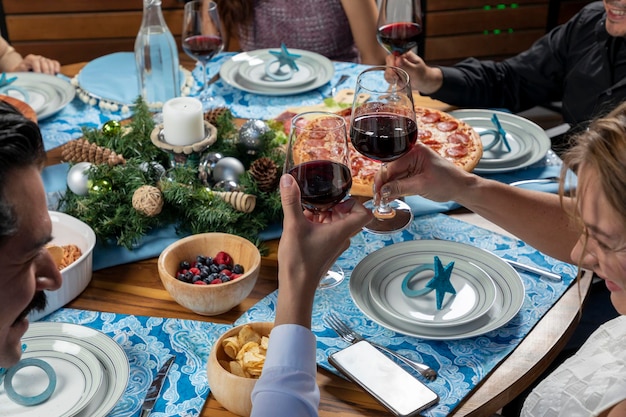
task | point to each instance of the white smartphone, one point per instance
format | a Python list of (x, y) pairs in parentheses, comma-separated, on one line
[(385, 380)]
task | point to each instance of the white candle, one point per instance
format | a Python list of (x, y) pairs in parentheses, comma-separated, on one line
[(183, 121)]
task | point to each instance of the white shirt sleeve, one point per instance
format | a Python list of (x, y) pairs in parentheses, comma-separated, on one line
[(287, 386)]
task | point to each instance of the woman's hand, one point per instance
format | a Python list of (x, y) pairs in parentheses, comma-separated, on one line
[(38, 63)]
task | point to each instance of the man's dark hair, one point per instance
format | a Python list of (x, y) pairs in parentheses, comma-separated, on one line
[(21, 146)]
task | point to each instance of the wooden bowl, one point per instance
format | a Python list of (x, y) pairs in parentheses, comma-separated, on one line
[(231, 391), (212, 299)]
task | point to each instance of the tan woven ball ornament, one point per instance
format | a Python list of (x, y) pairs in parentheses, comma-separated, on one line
[(148, 200)]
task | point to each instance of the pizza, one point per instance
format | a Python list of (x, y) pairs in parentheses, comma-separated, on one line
[(451, 138)]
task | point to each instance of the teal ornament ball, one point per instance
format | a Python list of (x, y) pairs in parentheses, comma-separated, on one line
[(77, 179), (112, 128), (251, 136)]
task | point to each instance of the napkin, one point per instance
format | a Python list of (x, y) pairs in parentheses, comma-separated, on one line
[(148, 342)]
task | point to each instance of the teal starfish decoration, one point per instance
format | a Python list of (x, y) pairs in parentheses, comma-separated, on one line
[(286, 58), (441, 281), (4, 81)]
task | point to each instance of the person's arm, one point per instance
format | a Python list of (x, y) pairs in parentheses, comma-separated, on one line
[(12, 61), (535, 217), (363, 16), (309, 245), (9, 57)]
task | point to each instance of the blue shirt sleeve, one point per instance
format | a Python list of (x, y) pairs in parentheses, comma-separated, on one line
[(287, 386)]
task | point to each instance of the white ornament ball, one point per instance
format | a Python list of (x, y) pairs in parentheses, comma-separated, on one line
[(77, 179)]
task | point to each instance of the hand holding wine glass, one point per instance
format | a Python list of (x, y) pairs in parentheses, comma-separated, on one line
[(202, 37), (383, 128), (324, 177), (399, 25)]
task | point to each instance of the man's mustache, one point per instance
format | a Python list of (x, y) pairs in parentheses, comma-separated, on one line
[(38, 303)]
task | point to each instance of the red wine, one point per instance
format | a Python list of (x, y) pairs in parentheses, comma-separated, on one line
[(400, 37), (322, 183), (383, 136), (202, 47)]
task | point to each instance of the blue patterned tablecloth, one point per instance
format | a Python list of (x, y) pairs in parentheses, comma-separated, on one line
[(149, 342), (461, 364)]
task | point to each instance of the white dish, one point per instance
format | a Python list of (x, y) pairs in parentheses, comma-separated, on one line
[(79, 377), (529, 142), (46, 94), (475, 293), (69, 230), (253, 72), (509, 287), (113, 360), (322, 67)]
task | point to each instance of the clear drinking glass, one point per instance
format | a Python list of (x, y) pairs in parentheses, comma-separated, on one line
[(399, 25), (202, 38), (383, 128), (324, 177)]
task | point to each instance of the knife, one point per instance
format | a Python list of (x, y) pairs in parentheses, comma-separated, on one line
[(155, 389)]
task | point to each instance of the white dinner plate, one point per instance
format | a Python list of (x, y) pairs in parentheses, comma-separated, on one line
[(508, 284), (46, 94), (475, 293), (113, 360), (79, 377), (254, 72), (529, 142), (321, 66)]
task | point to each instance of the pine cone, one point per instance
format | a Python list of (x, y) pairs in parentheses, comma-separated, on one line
[(212, 115), (80, 150), (265, 172)]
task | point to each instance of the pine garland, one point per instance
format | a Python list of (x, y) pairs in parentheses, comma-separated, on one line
[(188, 205)]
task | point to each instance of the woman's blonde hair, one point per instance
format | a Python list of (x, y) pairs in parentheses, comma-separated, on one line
[(602, 147)]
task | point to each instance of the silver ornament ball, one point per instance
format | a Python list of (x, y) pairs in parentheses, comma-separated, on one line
[(228, 168), (77, 179), (250, 136), (226, 185), (206, 164)]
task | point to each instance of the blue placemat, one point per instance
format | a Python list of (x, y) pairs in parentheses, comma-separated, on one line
[(148, 342), (461, 364)]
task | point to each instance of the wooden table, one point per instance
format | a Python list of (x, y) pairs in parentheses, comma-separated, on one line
[(136, 289)]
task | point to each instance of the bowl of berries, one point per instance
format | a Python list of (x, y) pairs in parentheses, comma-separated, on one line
[(209, 273)]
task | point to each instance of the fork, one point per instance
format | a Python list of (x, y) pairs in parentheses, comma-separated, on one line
[(350, 336), (341, 80)]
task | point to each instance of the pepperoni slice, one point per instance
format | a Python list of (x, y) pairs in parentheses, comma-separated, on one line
[(430, 118), (457, 151), (447, 126), (459, 138), (424, 134)]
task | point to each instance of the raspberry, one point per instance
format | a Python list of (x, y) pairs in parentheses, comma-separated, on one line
[(194, 271), (216, 281), (223, 258), (199, 282)]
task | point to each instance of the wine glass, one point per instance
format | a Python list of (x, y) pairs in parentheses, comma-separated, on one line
[(324, 178), (202, 38), (399, 25), (383, 128)]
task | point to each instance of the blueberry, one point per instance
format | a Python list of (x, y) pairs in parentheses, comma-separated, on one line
[(238, 269), (185, 265), (214, 268), (201, 260), (224, 278), (208, 260), (222, 267), (181, 277), (189, 276), (195, 278), (213, 276)]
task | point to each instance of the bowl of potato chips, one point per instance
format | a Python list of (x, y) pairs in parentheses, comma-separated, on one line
[(71, 250), (235, 363)]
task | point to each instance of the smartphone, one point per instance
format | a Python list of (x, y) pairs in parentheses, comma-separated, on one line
[(392, 386)]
